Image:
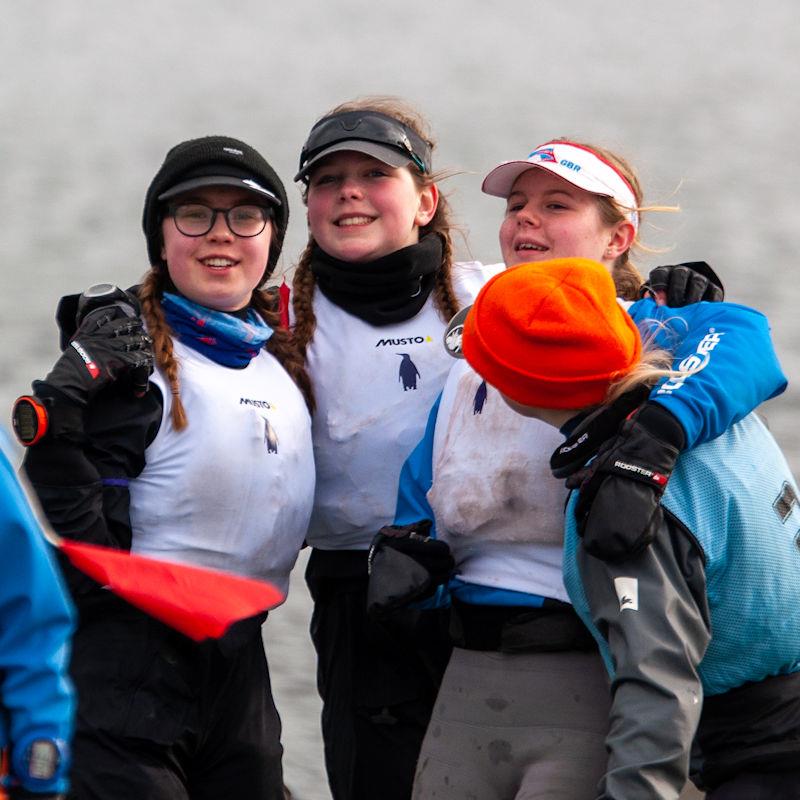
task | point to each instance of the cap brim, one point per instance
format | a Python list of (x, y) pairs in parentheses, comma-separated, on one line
[(500, 181), (249, 184), (388, 155)]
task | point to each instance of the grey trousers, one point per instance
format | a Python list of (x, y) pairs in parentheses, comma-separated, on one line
[(530, 726)]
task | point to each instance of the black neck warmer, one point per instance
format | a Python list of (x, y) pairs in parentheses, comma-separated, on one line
[(390, 289)]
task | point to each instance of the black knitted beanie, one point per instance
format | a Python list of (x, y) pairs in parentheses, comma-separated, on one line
[(202, 156)]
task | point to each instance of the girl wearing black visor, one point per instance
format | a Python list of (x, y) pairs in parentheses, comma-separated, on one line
[(373, 292)]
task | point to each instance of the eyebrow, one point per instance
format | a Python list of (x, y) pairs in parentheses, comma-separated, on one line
[(546, 193)]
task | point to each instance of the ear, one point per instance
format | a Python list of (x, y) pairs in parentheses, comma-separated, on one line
[(621, 239), (428, 203)]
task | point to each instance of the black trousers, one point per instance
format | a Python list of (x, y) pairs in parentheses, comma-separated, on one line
[(759, 786), (378, 681), (164, 718)]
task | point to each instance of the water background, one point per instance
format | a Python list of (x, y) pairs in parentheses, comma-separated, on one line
[(701, 97)]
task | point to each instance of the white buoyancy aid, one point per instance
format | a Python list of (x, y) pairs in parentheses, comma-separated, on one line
[(494, 498), (234, 489), (374, 387)]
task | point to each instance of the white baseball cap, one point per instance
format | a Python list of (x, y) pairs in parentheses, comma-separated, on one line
[(576, 164)]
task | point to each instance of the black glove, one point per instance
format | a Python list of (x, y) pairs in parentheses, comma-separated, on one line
[(618, 510), (108, 344), (686, 283), (405, 565)]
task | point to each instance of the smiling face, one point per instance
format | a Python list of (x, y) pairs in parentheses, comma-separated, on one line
[(218, 270), (360, 209), (547, 217)]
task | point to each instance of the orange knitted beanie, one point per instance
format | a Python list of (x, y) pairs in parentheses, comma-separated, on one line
[(551, 334)]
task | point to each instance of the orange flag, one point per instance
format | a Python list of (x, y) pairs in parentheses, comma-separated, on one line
[(199, 602)]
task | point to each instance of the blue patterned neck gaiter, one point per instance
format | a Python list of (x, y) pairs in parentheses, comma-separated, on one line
[(224, 338)]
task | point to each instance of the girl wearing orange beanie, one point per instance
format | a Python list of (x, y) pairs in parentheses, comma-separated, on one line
[(523, 707), (711, 609)]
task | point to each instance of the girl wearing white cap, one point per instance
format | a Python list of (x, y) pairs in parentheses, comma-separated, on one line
[(700, 632), (372, 295), (523, 708)]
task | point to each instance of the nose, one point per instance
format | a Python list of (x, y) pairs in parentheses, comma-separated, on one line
[(527, 216), (220, 230), (350, 188)]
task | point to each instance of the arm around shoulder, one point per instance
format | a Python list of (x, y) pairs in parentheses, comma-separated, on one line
[(727, 357)]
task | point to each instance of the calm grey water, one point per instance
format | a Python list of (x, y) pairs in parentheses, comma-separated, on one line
[(701, 97)]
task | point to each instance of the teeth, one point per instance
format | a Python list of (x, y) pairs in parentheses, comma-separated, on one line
[(531, 247), (354, 221), (218, 262)]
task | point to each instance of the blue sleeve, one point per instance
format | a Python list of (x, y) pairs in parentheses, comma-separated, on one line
[(728, 353), (36, 622), (416, 478)]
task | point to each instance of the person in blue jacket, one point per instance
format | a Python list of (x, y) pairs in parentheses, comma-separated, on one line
[(525, 672), (698, 623), (36, 623)]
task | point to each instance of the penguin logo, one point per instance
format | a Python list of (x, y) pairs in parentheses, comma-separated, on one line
[(408, 372), (270, 437), (480, 399)]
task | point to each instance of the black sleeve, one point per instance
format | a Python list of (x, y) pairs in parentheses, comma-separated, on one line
[(82, 481), (652, 611)]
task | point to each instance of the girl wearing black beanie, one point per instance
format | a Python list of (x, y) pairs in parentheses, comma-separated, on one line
[(211, 464)]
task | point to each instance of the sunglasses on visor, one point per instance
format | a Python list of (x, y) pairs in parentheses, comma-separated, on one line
[(364, 126)]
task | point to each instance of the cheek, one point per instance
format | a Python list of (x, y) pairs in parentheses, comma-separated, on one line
[(315, 211), (179, 274), (506, 234), (592, 244), (399, 202), (256, 251), (176, 248)]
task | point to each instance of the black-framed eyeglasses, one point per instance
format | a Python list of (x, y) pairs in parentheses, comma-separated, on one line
[(196, 219), (365, 126)]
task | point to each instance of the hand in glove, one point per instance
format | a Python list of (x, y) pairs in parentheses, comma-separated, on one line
[(108, 344), (618, 509), (681, 285), (405, 565)]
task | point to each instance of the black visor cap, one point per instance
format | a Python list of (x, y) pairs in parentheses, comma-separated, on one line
[(332, 133)]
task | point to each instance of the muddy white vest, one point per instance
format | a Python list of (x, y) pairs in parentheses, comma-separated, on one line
[(495, 500)]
